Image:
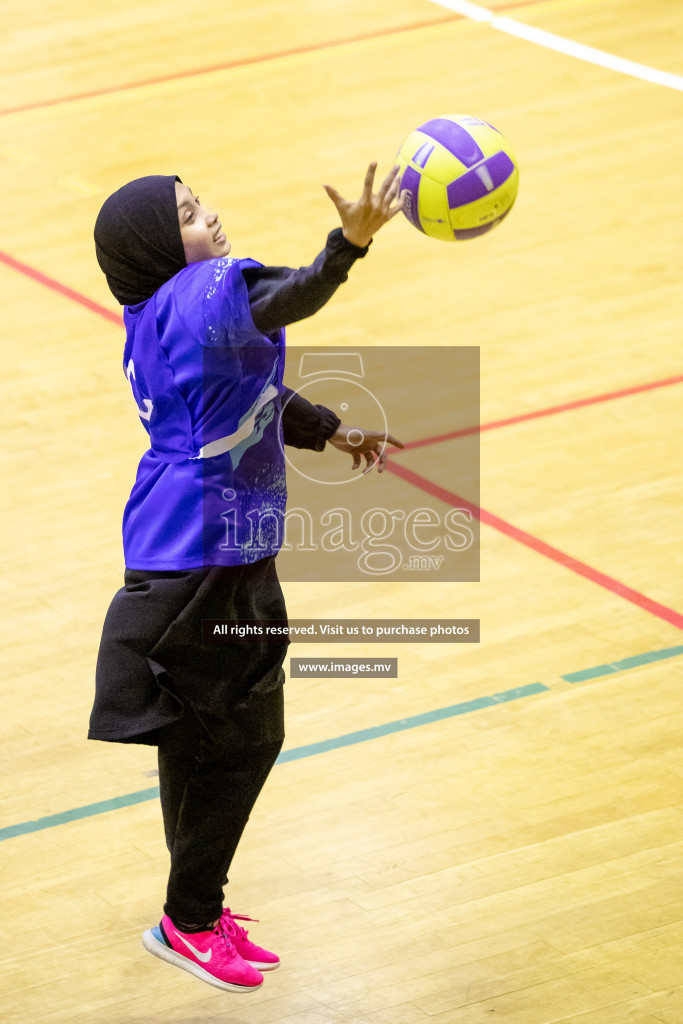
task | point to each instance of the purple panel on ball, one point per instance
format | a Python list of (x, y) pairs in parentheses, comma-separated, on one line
[(423, 154), (411, 182), (481, 180), (454, 138), (464, 234)]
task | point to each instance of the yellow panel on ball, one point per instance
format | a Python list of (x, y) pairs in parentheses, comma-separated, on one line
[(433, 209)]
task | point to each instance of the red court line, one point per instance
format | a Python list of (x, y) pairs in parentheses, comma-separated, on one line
[(95, 307), (245, 62), (547, 550), (242, 63), (668, 614), (551, 410), (57, 286)]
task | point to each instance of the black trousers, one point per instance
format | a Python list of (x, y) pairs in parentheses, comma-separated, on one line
[(214, 710), (211, 771)]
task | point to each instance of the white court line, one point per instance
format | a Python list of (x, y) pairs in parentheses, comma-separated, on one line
[(562, 45)]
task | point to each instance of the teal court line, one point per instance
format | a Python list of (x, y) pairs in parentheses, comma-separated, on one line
[(295, 754), (625, 663), (350, 739)]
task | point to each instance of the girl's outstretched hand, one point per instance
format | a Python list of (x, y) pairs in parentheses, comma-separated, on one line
[(360, 220)]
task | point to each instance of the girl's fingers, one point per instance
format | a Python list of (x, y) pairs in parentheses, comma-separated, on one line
[(371, 460), (396, 194), (391, 193), (333, 194), (400, 204), (389, 181), (369, 180)]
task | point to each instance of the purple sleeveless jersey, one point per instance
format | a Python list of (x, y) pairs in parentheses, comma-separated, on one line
[(211, 489)]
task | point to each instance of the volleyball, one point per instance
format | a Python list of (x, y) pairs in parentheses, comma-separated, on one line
[(460, 176)]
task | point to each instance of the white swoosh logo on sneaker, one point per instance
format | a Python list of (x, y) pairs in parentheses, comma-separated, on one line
[(204, 957)]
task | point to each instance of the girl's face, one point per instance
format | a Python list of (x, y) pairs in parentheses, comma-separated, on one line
[(200, 228)]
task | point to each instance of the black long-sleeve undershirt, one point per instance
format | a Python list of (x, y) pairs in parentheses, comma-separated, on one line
[(279, 296)]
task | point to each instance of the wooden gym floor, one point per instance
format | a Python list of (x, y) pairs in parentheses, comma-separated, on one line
[(518, 862)]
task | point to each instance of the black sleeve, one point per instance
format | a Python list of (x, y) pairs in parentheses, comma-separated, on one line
[(281, 295), (305, 425)]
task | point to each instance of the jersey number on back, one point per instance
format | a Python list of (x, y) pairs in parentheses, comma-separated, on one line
[(146, 413)]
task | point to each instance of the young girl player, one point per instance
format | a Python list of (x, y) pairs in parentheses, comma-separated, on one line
[(204, 356)]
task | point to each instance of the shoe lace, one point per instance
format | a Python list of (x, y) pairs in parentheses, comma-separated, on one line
[(228, 920), (222, 934)]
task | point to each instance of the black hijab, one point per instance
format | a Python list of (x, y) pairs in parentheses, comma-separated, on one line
[(137, 238)]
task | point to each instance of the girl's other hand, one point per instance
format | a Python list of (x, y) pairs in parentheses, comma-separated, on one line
[(364, 444), (360, 220)]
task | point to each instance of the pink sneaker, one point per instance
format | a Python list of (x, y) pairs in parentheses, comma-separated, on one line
[(210, 956), (249, 951)]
